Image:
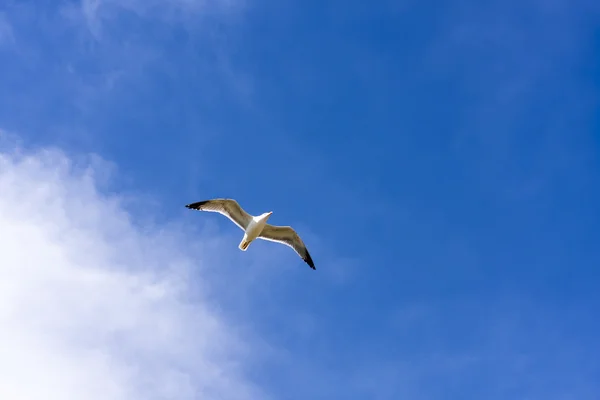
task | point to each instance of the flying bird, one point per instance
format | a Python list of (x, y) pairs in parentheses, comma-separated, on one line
[(255, 227)]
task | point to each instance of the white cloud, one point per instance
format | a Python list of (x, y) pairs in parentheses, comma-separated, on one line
[(93, 306), (96, 12)]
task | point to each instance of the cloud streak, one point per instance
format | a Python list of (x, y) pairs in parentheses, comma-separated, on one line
[(96, 12), (6, 32), (92, 305)]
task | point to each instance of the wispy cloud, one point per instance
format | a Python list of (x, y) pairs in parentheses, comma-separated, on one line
[(95, 13), (6, 33), (93, 305), (96, 60)]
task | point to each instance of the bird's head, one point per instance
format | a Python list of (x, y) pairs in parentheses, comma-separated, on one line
[(266, 215)]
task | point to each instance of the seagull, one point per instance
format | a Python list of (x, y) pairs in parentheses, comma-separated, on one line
[(255, 227)]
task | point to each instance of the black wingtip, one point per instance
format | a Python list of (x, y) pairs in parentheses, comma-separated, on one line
[(196, 205), (309, 260)]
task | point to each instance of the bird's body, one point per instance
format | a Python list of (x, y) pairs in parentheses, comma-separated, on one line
[(255, 226), (253, 230)]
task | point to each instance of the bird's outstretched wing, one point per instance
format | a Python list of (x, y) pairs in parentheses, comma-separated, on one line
[(227, 207), (286, 235)]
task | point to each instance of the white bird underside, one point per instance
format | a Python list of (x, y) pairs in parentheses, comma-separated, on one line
[(255, 227)]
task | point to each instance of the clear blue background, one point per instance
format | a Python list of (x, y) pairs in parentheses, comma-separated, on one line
[(440, 159)]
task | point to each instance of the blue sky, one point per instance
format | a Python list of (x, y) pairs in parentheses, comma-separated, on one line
[(441, 161)]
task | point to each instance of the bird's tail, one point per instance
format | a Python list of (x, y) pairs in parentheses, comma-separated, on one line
[(244, 244)]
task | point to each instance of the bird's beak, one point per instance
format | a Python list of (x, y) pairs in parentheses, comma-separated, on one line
[(270, 212)]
